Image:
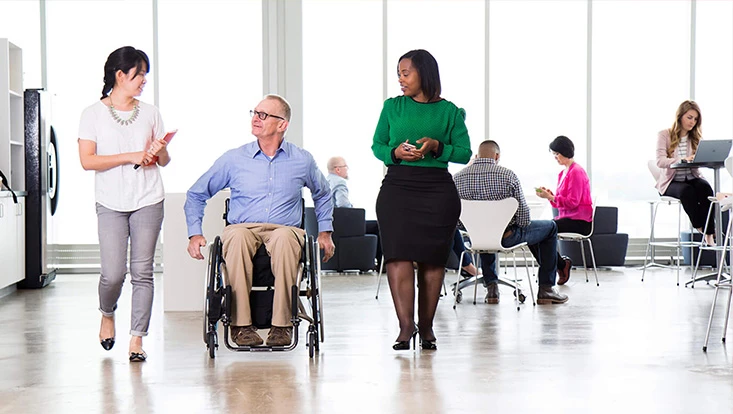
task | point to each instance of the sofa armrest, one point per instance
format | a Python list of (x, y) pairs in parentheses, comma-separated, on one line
[(348, 222)]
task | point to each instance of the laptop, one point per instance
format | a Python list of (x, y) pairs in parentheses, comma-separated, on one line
[(712, 151)]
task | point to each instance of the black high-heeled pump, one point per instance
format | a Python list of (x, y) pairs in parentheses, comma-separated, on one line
[(405, 345), (108, 343), (428, 345)]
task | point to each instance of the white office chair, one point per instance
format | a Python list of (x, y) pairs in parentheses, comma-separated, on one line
[(678, 245), (580, 238), (486, 222)]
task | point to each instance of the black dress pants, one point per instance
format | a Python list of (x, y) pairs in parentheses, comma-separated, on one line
[(567, 225), (693, 194)]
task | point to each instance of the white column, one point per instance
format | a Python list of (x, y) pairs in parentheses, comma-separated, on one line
[(282, 58)]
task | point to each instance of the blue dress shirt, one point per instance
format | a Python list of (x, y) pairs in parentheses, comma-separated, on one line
[(263, 189), (339, 191)]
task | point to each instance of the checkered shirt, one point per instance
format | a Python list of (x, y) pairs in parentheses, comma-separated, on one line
[(486, 180)]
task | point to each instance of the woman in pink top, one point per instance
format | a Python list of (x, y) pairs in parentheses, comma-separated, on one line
[(685, 184), (571, 199)]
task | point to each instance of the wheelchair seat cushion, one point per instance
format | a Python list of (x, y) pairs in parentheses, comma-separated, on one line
[(262, 272)]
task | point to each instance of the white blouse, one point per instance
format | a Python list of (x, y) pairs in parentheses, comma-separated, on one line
[(123, 188), (682, 174)]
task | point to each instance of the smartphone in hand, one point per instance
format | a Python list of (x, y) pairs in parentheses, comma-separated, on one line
[(408, 147)]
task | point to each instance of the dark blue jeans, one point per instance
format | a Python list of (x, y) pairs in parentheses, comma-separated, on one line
[(541, 237), (458, 248)]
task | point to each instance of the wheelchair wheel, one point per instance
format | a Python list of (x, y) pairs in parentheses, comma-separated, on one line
[(312, 341), (212, 343), (213, 295), (316, 299)]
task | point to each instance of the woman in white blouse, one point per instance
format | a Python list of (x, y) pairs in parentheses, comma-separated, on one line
[(678, 144), (120, 139)]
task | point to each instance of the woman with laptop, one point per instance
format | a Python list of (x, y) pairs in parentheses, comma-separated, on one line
[(679, 144)]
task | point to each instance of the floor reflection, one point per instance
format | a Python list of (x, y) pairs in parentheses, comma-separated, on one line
[(589, 355)]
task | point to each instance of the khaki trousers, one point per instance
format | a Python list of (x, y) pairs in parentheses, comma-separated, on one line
[(283, 244)]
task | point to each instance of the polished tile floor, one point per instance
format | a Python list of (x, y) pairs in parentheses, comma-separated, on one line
[(623, 347)]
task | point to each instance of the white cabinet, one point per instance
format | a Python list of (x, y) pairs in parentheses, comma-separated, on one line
[(12, 135), (7, 241), (12, 239)]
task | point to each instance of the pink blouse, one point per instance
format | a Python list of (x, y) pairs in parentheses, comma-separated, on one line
[(664, 162), (572, 197)]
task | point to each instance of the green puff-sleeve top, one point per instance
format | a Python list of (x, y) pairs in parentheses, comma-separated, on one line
[(403, 118)]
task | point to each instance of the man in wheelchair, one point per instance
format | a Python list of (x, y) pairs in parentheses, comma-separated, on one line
[(266, 178)]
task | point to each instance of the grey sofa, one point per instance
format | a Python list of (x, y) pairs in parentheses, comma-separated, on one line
[(355, 250)]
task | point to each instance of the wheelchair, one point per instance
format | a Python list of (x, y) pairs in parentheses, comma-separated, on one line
[(306, 299)]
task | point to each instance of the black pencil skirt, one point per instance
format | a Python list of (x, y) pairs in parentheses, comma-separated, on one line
[(418, 210)]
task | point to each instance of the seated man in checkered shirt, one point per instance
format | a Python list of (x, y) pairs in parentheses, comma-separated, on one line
[(485, 179)]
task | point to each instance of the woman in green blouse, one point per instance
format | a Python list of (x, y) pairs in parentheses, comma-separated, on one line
[(418, 206)]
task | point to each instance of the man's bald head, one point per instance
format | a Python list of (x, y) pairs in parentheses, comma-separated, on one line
[(488, 149), (337, 165)]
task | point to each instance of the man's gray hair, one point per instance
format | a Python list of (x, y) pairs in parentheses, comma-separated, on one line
[(283, 102)]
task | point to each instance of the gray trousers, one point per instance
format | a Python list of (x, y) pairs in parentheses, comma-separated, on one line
[(141, 227)]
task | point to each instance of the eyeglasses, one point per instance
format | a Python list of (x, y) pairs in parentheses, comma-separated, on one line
[(340, 166), (263, 115)]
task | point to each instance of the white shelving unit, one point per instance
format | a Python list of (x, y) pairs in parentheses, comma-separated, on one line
[(12, 147), (12, 164)]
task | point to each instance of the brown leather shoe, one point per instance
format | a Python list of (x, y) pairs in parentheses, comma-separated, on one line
[(492, 293), (563, 274), (280, 336), (548, 295), (246, 336)]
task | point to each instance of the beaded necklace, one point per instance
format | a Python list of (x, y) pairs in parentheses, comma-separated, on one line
[(118, 119)]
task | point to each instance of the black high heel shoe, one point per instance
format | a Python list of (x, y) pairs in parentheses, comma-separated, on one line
[(405, 345), (428, 345), (108, 343)]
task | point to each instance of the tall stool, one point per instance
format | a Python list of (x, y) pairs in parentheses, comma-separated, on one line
[(678, 245), (705, 247), (721, 283), (652, 243)]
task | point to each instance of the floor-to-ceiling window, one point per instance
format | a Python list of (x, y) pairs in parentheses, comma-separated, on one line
[(81, 34), (210, 77), (342, 89), (210, 67), (20, 23), (537, 87), (453, 32), (714, 72), (640, 74)]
